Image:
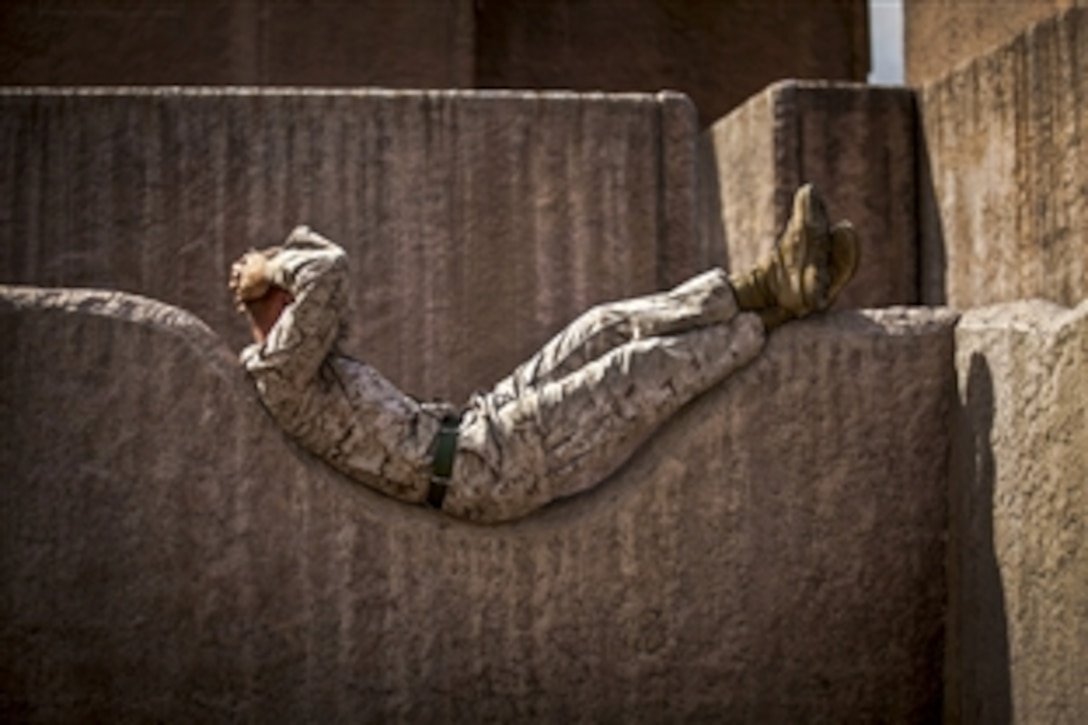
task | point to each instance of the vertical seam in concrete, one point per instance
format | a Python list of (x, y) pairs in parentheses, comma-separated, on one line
[(464, 44), (661, 236), (932, 254), (1022, 102), (262, 43), (244, 52), (862, 41), (917, 202), (787, 151), (678, 254)]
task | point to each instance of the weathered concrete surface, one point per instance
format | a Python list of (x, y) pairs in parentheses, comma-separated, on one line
[(939, 35), (352, 43), (776, 554), (505, 212), (1018, 620), (1003, 207), (718, 53), (856, 143)]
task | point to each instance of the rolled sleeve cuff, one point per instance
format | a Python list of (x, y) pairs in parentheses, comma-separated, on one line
[(303, 247)]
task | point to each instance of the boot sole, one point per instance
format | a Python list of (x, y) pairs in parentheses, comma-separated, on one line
[(815, 275)]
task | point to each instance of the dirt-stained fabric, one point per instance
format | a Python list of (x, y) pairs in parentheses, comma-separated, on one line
[(339, 408), (561, 423)]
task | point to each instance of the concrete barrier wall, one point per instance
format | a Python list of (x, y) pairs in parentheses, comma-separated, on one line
[(776, 554), (856, 143), (717, 53), (938, 36), (406, 44), (504, 212), (1003, 207), (1018, 625)]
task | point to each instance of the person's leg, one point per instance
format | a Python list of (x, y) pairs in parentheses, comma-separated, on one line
[(793, 280), (702, 300), (312, 273), (577, 410), (568, 434)]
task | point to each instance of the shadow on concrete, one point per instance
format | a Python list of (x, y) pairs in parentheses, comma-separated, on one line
[(710, 225), (978, 674), (932, 253)]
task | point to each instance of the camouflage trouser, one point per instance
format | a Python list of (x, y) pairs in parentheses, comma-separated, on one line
[(560, 424), (573, 413)]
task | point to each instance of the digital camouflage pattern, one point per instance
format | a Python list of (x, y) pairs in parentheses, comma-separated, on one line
[(561, 423)]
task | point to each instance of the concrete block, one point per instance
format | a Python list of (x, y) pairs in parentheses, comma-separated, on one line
[(1003, 207), (407, 44), (451, 205), (939, 36), (776, 554), (856, 143), (717, 53), (1018, 617), (355, 43)]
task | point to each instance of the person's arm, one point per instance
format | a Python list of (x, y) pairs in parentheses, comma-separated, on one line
[(264, 311), (313, 271)]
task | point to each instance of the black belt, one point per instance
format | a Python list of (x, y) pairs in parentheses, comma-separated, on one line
[(445, 448)]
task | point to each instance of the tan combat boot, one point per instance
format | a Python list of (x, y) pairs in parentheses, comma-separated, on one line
[(249, 275), (842, 263), (794, 277)]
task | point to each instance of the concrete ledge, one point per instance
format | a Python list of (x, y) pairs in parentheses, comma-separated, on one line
[(775, 554), (1018, 626), (855, 142), (504, 211), (1003, 207)]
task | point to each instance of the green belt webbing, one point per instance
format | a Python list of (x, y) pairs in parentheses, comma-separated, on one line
[(445, 448)]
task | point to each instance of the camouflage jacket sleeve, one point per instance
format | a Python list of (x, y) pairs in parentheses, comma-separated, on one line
[(341, 409), (314, 270)]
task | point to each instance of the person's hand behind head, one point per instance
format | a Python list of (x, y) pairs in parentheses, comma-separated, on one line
[(249, 277), (254, 294), (264, 311)]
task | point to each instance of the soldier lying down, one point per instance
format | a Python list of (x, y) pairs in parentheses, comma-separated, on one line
[(561, 422)]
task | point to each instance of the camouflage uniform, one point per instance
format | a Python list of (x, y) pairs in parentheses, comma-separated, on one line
[(562, 422)]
